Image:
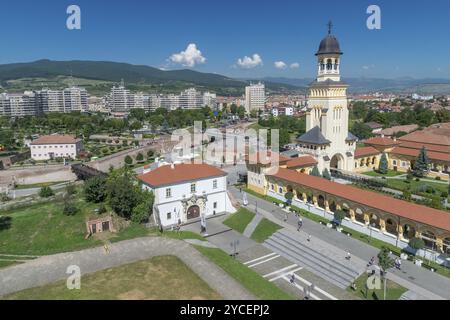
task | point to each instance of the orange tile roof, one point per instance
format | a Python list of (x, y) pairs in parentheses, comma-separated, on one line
[(365, 151), (302, 161), (56, 139), (432, 217), (438, 136), (264, 157), (429, 147), (184, 172), (415, 152), (380, 141)]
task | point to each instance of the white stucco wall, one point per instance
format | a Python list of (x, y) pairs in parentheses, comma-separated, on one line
[(171, 209)]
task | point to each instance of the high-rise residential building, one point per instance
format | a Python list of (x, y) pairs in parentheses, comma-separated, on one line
[(75, 99), (191, 99), (170, 101), (255, 97), (18, 104), (50, 100), (210, 100), (120, 99)]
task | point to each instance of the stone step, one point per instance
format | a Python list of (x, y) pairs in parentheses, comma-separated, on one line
[(323, 258), (298, 256)]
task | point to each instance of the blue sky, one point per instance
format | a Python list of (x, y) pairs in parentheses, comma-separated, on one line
[(414, 40)]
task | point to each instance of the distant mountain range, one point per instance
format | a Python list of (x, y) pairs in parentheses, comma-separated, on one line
[(139, 76), (400, 85), (99, 76)]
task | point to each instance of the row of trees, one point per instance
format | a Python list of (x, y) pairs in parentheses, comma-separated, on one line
[(123, 194)]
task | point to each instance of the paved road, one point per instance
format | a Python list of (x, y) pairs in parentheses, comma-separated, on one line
[(418, 277), (52, 268)]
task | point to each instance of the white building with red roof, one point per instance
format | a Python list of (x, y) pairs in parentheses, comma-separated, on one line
[(55, 146), (187, 192)]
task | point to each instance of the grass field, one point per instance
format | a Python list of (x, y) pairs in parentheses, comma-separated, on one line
[(43, 229), (37, 185), (239, 220), (390, 173), (248, 278), (400, 184), (393, 290), (158, 278), (264, 230)]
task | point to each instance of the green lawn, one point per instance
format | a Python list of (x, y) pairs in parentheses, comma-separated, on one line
[(390, 173), (158, 278), (393, 290), (264, 230), (239, 220), (37, 185), (251, 280), (400, 184), (43, 229), (182, 235)]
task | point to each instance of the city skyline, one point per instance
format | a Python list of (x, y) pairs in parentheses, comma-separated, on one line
[(276, 40)]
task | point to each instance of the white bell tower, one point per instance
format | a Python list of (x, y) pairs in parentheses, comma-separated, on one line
[(327, 136)]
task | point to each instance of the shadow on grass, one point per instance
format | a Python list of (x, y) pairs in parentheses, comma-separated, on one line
[(5, 223)]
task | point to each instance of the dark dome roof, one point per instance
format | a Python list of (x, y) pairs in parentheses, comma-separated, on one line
[(329, 44)]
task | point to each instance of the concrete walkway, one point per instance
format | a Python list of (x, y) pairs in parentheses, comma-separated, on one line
[(252, 225), (48, 269), (415, 278)]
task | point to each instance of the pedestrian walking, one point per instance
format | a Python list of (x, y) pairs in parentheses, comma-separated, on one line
[(299, 223), (349, 256), (285, 217), (309, 238), (292, 280)]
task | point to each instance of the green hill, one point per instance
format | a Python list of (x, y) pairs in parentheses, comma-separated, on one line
[(33, 75)]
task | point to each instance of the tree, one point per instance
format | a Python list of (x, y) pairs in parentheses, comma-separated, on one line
[(71, 190), (326, 174), (361, 130), (128, 160), (416, 243), (150, 154), (140, 157), (123, 193), (234, 109), (289, 196), (142, 211), (339, 215), (385, 262), (95, 190), (46, 192), (70, 209), (420, 166), (383, 166), (241, 112), (315, 172)]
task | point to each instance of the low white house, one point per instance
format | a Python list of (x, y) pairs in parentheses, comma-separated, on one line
[(187, 191), (55, 146)]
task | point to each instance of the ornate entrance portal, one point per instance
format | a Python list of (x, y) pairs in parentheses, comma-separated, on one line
[(193, 212), (337, 162)]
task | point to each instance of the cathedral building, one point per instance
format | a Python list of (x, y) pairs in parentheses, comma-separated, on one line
[(327, 138)]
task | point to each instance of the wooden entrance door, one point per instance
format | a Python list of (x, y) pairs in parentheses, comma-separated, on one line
[(193, 212)]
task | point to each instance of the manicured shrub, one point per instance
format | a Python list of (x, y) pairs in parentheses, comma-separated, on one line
[(46, 192)]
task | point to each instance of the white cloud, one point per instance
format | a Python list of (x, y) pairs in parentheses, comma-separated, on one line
[(280, 65), (250, 62), (295, 65), (188, 58), (368, 67)]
